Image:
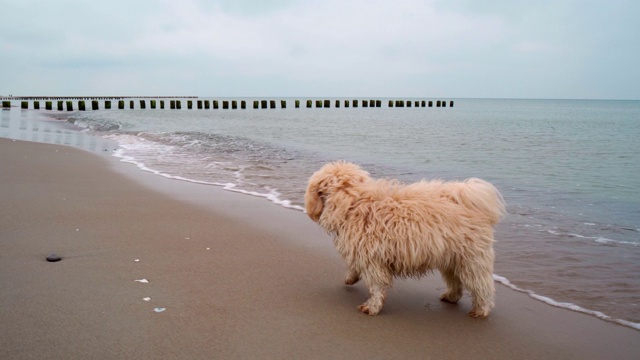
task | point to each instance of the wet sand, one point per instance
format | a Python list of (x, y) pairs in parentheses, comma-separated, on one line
[(237, 277)]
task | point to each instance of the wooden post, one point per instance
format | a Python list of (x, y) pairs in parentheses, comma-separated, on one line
[(82, 106), (272, 104), (189, 104), (69, 105), (297, 104), (120, 104), (161, 104), (451, 103), (378, 103), (243, 104), (131, 106), (346, 103), (24, 105), (283, 104), (438, 103), (263, 104), (142, 104), (408, 103), (423, 103), (234, 104), (107, 104), (207, 105), (47, 105), (430, 103), (355, 103), (60, 105), (215, 104), (337, 103), (399, 103), (318, 103), (309, 103), (6, 104), (327, 103), (365, 103), (178, 104), (256, 104), (444, 103), (94, 105), (390, 103), (172, 104), (153, 104), (225, 104), (36, 105), (372, 103), (200, 104)]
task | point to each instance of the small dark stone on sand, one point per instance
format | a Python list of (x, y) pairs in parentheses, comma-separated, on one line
[(53, 258)]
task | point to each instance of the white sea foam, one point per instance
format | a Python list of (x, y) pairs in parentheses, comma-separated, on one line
[(604, 240), (565, 305), (129, 143), (598, 239)]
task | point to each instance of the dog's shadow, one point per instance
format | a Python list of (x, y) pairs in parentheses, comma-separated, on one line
[(408, 297)]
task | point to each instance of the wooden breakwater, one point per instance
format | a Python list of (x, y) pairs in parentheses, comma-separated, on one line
[(193, 102)]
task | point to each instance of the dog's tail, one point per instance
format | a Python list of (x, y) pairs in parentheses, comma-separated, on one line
[(483, 197)]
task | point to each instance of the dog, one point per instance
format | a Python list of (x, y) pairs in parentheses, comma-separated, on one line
[(384, 229)]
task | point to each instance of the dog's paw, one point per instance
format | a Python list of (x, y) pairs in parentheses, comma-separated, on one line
[(352, 277), (450, 298), (478, 313), (350, 280), (369, 310)]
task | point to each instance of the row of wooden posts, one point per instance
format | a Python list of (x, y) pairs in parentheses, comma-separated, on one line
[(33, 97), (230, 104)]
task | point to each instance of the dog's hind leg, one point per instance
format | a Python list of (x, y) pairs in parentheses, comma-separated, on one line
[(352, 277), (377, 281), (454, 286), (479, 282)]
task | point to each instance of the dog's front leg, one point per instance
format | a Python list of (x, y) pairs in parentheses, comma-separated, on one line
[(375, 302), (377, 282)]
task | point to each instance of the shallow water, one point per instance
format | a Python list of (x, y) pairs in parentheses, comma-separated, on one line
[(568, 170)]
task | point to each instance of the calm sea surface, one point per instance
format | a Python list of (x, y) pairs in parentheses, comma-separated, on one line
[(569, 171)]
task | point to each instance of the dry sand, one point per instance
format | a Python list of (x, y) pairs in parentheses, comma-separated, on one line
[(238, 277)]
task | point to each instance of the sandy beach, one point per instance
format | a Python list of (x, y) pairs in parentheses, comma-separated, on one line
[(225, 275)]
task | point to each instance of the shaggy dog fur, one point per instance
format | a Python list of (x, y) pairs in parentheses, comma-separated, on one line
[(385, 229)]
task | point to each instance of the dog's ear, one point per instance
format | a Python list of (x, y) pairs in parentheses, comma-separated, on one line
[(313, 202)]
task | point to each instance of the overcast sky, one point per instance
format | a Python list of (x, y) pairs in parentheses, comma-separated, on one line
[(325, 48)]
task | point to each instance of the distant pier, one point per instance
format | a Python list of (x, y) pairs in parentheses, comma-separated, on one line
[(80, 103)]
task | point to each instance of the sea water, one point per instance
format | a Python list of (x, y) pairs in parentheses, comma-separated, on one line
[(569, 171)]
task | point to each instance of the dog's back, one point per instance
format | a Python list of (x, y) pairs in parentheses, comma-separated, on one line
[(476, 195)]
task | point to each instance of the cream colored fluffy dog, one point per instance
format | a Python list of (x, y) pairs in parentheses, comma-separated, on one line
[(385, 229)]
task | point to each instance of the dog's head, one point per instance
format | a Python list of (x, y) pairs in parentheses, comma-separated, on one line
[(328, 181)]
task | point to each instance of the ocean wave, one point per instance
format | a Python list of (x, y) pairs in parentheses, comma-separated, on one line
[(95, 123), (565, 305), (598, 239), (272, 195)]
